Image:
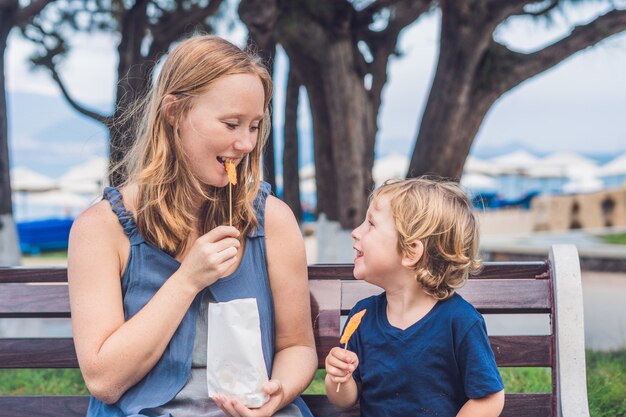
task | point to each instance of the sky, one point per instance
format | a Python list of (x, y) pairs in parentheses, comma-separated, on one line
[(579, 105)]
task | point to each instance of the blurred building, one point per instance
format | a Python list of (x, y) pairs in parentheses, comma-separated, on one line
[(606, 208)]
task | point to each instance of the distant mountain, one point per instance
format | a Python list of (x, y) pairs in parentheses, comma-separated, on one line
[(48, 136), (31, 113)]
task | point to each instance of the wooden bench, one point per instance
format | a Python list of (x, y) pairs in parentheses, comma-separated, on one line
[(550, 287)]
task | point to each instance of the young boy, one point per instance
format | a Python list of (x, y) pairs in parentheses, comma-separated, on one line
[(421, 349)]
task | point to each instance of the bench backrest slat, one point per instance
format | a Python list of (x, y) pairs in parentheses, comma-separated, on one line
[(31, 274), (522, 295), (34, 300), (60, 353), (508, 270), (38, 353)]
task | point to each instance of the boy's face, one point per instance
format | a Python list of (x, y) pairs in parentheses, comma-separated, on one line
[(376, 244)]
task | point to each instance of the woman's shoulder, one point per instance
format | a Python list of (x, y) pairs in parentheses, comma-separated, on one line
[(98, 216), (98, 219)]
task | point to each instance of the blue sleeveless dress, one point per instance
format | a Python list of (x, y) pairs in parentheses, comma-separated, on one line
[(147, 269)]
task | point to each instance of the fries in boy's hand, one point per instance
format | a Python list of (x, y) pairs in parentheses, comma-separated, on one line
[(351, 327), (340, 364)]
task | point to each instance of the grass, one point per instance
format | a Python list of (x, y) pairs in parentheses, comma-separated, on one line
[(41, 382), (606, 382), (617, 239), (58, 254), (516, 380)]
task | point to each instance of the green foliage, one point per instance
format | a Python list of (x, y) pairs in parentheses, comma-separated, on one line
[(606, 383), (317, 385), (523, 380), (41, 382), (61, 254), (618, 239)]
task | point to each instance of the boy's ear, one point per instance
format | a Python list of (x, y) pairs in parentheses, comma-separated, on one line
[(414, 254), (169, 109)]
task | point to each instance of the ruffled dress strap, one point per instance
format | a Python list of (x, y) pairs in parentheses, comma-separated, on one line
[(124, 216), (259, 207)]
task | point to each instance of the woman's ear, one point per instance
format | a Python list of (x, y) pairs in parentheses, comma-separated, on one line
[(413, 255), (169, 109)]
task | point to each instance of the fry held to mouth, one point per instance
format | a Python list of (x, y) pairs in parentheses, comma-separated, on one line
[(231, 170)]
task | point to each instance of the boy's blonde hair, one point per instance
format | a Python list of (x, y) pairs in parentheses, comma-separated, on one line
[(438, 213), (166, 210)]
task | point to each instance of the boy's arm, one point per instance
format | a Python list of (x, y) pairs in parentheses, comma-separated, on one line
[(489, 406), (347, 395)]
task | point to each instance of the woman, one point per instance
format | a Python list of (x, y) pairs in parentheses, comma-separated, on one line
[(144, 262)]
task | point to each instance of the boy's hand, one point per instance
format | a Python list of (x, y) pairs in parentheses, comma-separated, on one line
[(340, 364)]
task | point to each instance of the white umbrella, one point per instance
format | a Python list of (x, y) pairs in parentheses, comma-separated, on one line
[(616, 167), (474, 165), (478, 182), (308, 186), (59, 198), (565, 164), (27, 180), (515, 162), (582, 185), (87, 178), (392, 166), (307, 171)]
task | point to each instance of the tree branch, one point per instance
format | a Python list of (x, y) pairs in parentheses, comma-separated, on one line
[(78, 107), (545, 10), (383, 44), (24, 15), (366, 16), (525, 66), (176, 23)]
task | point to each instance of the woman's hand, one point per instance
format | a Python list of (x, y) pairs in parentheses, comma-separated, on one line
[(211, 255), (340, 364), (234, 408)]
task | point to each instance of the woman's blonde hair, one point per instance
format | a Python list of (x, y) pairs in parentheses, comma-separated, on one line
[(168, 191), (439, 214)]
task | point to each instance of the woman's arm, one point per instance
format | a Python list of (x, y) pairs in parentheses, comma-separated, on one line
[(295, 361), (115, 354), (489, 406)]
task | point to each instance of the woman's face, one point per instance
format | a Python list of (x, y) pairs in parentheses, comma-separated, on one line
[(223, 124)]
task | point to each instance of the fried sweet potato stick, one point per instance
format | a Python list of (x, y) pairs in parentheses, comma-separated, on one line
[(351, 327), (231, 170)]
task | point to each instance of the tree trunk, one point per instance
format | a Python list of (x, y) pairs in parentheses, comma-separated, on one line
[(9, 245), (267, 51), (350, 117), (260, 20), (343, 122), (339, 108), (453, 116), (291, 175), (133, 73)]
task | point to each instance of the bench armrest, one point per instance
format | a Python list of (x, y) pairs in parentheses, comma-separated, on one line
[(569, 332)]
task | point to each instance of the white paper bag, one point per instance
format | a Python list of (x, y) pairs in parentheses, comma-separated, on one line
[(235, 364)]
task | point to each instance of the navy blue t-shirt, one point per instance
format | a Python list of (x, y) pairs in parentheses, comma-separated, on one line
[(429, 369)]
